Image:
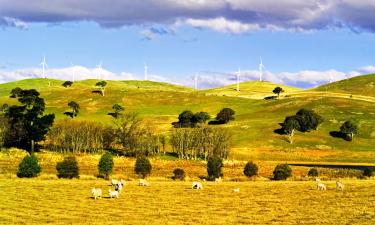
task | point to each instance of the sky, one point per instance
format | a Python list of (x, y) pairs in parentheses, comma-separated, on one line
[(301, 43)]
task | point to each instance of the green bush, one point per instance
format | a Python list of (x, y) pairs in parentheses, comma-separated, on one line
[(68, 168), (313, 172), (282, 172), (105, 165), (142, 166), (214, 165), (29, 167), (251, 169), (178, 174), (368, 172)]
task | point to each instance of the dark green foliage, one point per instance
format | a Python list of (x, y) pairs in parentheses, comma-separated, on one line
[(201, 117), (214, 166), (251, 169), (105, 165), (368, 172), (29, 167), (349, 129), (313, 172), (290, 125), (142, 166), (27, 124), (178, 174), (68, 168), (117, 111), (186, 119), (225, 115), (308, 120), (75, 109), (67, 84), (282, 172), (278, 91), (101, 85)]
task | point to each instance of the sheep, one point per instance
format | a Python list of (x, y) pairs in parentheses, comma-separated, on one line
[(321, 187), (339, 186), (123, 182), (143, 182), (114, 182), (96, 193), (317, 179), (236, 190), (197, 185), (113, 194), (118, 187)]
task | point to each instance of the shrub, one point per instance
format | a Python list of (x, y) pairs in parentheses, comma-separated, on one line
[(29, 167), (282, 172), (68, 168), (179, 174), (214, 165), (225, 115), (368, 172), (251, 169), (313, 172), (105, 165), (142, 166)]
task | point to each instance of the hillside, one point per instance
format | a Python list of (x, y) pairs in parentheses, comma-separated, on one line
[(253, 129)]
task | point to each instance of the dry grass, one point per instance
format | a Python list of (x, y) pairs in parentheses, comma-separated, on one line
[(36, 201)]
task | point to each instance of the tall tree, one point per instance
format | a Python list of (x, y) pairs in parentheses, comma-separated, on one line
[(278, 91), (290, 125), (101, 85), (349, 129), (75, 108), (117, 110), (27, 124)]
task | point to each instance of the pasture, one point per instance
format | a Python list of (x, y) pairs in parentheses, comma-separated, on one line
[(37, 201)]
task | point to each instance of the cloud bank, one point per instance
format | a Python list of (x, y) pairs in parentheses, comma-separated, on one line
[(232, 16)]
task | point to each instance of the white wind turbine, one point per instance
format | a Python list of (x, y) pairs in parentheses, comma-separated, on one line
[(196, 81), (99, 67), (74, 71), (44, 65), (146, 72), (261, 67), (238, 79)]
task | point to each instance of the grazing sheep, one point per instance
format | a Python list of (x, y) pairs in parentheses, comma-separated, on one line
[(96, 193), (118, 187), (143, 182), (197, 185), (339, 186), (114, 182), (317, 179), (321, 187), (236, 190), (113, 194)]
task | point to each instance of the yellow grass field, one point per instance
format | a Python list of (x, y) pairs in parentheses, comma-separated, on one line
[(37, 201)]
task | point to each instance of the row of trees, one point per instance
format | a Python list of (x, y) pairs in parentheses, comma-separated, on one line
[(188, 119)]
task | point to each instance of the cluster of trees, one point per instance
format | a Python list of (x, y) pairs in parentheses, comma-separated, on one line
[(201, 142), (188, 119)]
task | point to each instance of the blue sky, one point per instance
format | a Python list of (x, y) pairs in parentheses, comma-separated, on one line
[(300, 45)]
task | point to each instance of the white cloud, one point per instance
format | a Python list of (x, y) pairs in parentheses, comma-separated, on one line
[(13, 22)]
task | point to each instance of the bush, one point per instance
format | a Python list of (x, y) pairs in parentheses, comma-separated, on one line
[(142, 166), (105, 165), (29, 167), (68, 168), (251, 169), (179, 174), (225, 115), (313, 172), (368, 172), (214, 165), (282, 172)]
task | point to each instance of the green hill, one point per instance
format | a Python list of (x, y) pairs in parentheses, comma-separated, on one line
[(253, 129)]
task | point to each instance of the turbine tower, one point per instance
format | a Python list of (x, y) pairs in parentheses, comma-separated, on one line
[(146, 72), (261, 67), (99, 67), (74, 71), (44, 65), (238, 79), (196, 81)]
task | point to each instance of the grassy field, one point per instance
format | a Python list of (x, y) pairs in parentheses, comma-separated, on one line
[(35, 201)]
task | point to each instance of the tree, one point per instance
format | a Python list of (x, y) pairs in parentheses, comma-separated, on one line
[(313, 172), (201, 117), (27, 124), (349, 129), (290, 125), (278, 91), (75, 109), (251, 169), (282, 172), (185, 119), (67, 84), (179, 174), (68, 168), (29, 167), (214, 165), (142, 166), (101, 85), (225, 115), (117, 111), (308, 120), (105, 165)]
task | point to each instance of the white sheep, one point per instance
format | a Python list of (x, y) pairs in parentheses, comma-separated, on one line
[(339, 186), (236, 190), (321, 187), (113, 194), (317, 179), (197, 185), (123, 182), (118, 187), (96, 193), (143, 182), (114, 182)]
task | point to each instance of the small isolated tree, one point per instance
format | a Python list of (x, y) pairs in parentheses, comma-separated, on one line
[(214, 165), (201, 117), (290, 125), (105, 165), (178, 174), (101, 85), (282, 172), (251, 169), (278, 91), (117, 110), (349, 129), (225, 115), (308, 119), (142, 166), (313, 172), (75, 109), (368, 172), (68, 168), (29, 167), (67, 84)]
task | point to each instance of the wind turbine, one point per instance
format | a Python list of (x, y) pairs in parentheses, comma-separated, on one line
[(261, 67), (238, 79), (74, 71), (44, 65), (99, 67), (196, 81), (146, 71)]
